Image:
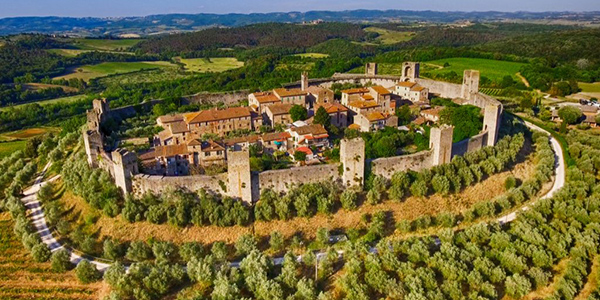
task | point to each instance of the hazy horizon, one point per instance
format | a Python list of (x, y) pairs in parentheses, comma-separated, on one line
[(137, 8)]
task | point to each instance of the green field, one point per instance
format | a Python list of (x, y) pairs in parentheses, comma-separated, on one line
[(388, 37), (213, 64), (105, 45), (88, 72), (590, 87), (16, 140), (312, 55), (492, 69), (50, 101)]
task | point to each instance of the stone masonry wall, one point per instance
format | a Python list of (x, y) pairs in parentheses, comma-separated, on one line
[(386, 167), (469, 145), (157, 184), (282, 180), (228, 98)]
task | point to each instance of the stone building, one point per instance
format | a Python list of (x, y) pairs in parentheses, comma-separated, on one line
[(338, 114), (278, 114), (412, 91), (309, 135), (291, 96), (260, 100)]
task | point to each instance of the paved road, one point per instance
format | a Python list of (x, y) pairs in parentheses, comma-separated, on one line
[(38, 219), (36, 214)]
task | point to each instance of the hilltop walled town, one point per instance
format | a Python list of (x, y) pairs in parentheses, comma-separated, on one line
[(195, 150)]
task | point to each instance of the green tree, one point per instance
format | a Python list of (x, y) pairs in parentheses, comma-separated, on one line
[(569, 114), (87, 272), (298, 113), (40, 252), (139, 251), (245, 244), (349, 199), (61, 261), (517, 286), (276, 241), (299, 156), (322, 117), (404, 115)]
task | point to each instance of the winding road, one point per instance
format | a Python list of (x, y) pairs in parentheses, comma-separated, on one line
[(38, 219)]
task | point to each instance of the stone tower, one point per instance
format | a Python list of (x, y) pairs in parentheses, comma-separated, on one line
[(440, 141), (125, 166), (92, 141), (304, 81), (410, 71), (239, 178), (491, 122), (470, 86), (352, 157), (371, 69), (97, 114)]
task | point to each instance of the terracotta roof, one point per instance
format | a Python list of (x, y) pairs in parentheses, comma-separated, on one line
[(588, 109), (367, 97), (305, 150), (165, 135), (170, 150), (266, 97), (317, 89), (280, 108), (283, 92), (419, 121), (589, 117), (243, 139), (354, 126), (356, 91), (314, 129), (363, 104), (210, 146), (216, 115), (407, 84), (381, 90), (179, 127), (433, 111), (170, 118), (417, 88), (375, 116), (275, 136), (332, 108), (195, 142), (148, 155)]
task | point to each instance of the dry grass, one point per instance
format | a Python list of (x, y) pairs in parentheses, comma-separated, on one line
[(22, 278), (592, 281), (409, 209)]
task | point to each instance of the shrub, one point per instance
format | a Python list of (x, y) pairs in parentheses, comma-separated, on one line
[(419, 188), (349, 199), (61, 261), (138, 251), (517, 286), (276, 241), (510, 182), (87, 272), (40, 252), (190, 249), (245, 244)]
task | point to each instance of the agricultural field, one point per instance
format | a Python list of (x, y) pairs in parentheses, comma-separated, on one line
[(153, 75), (495, 70), (34, 86), (388, 37), (213, 64), (22, 278), (491, 92), (590, 87), (49, 101), (16, 140), (88, 72), (105, 45), (312, 55)]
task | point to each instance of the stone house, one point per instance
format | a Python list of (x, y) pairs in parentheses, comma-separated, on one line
[(275, 141), (319, 95), (278, 114), (432, 115), (243, 142), (260, 100), (354, 95), (411, 91), (221, 122), (338, 114), (291, 96), (371, 121), (172, 159), (309, 135)]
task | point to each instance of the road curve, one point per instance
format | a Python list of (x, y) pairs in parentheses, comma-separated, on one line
[(37, 217)]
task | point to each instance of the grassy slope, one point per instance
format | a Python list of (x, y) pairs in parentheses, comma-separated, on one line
[(88, 72), (492, 69), (105, 45), (590, 87), (216, 64), (50, 101), (388, 37), (312, 55)]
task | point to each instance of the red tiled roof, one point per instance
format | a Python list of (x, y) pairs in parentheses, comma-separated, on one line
[(266, 97), (381, 90), (216, 115), (179, 127), (275, 136), (170, 150), (170, 118), (283, 92), (313, 129), (356, 91), (210, 146), (280, 108), (332, 108), (363, 104), (407, 84), (375, 116)]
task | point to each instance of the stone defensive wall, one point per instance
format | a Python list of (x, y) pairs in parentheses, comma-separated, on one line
[(157, 184), (387, 166), (228, 98), (283, 180), (240, 182)]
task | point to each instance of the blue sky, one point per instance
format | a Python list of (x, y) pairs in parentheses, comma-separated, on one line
[(115, 8)]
